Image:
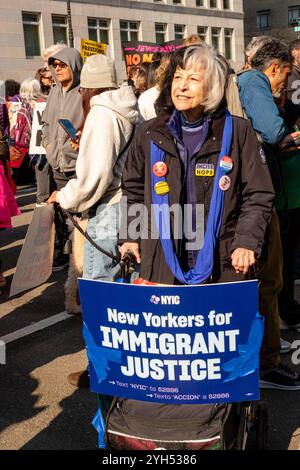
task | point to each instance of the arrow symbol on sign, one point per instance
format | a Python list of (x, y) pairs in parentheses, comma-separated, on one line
[(149, 396), (249, 394), (114, 383)]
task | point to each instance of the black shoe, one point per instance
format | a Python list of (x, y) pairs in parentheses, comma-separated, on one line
[(60, 262), (290, 315), (80, 379), (279, 378), (289, 326)]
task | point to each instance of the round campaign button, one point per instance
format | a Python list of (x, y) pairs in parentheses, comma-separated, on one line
[(224, 183), (160, 169), (162, 188), (227, 164)]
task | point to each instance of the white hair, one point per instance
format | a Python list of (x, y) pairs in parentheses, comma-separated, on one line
[(51, 50), (206, 57), (255, 44), (30, 89)]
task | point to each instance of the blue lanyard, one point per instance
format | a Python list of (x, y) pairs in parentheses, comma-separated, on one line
[(205, 258)]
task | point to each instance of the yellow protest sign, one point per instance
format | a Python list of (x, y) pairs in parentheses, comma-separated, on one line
[(88, 47)]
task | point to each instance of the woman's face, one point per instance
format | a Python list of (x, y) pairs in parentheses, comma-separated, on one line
[(188, 92), (47, 82)]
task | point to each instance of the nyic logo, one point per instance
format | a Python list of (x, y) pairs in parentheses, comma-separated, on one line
[(155, 300), (165, 300)]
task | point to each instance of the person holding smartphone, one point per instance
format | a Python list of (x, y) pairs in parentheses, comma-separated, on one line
[(64, 102)]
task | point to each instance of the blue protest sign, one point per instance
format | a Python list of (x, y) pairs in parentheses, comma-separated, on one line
[(183, 345)]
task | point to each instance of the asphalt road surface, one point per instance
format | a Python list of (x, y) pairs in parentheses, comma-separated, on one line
[(39, 409)]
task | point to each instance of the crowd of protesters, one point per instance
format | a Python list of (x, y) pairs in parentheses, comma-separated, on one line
[(179, 106)]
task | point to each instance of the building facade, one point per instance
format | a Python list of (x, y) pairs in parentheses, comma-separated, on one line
[(27, 27), (277, 18)]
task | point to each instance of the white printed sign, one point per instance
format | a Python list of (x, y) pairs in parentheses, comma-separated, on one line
[(36, 147)]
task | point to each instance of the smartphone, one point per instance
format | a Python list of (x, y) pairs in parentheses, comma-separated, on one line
[(69, 128)]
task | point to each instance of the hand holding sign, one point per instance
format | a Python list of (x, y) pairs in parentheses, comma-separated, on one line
[(242, 259)]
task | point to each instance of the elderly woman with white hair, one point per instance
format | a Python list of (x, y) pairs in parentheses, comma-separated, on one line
[(30, 92), (20, 133), (195, 155)]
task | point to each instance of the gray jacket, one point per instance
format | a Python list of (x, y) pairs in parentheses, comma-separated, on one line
[(62, 105)]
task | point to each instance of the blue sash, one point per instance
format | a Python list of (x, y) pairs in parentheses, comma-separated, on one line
[(205, 258)]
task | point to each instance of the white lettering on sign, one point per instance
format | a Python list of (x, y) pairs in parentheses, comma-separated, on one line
[(170, 344), (170, 299), (198, 370)]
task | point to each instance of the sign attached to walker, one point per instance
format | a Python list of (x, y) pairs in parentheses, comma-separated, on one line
[(182, 345)]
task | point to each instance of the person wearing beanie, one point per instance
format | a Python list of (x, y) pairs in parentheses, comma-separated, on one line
[(110, 116)]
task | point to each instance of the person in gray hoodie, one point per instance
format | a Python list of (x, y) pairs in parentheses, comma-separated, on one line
[(64, 102)]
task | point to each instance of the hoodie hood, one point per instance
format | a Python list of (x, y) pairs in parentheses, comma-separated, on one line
[(122, 101), (73, 59)]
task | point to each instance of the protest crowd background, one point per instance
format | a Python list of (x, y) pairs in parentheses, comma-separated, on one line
[(88, 172)]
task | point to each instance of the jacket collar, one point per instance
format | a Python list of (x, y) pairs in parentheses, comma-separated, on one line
[(166, 129), (160, 134)]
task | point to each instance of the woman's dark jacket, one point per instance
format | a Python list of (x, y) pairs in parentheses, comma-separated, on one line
[(247, 205)]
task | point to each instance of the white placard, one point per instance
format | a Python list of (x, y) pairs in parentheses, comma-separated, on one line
[(36, 147)]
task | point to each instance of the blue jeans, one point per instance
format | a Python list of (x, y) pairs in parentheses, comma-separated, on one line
[(103, 228)]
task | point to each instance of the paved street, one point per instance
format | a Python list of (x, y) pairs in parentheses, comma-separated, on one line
[(39, 409)]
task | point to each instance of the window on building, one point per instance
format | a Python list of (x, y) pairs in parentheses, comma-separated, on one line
[(215, 38), (99, 30), (199, 3), (294, 16), (226, 4), (129, 31), (179, 31), (213, 4), (31, 27), (228, 35), (202, 32), (264, 19), (160, 33), (59, 26), (177, 2)]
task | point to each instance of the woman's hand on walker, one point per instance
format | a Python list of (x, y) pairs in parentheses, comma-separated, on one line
[(242, 259), (133, 247)]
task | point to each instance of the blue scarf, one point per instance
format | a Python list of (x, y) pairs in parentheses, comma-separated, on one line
[(205, 258)]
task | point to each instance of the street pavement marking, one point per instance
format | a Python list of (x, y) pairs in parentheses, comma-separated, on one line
[(31, 190), (38, 326), (13, 244)]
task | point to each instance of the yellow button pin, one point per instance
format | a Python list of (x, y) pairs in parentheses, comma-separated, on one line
[(161, 188)]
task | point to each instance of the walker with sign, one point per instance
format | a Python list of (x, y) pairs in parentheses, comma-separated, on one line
[(175, 345)]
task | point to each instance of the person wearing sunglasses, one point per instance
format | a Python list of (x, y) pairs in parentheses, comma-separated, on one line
[(64, 102)]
